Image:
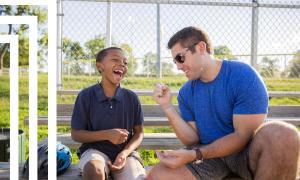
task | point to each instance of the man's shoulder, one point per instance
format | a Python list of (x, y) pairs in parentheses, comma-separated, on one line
[(186, 87), (238, 66)]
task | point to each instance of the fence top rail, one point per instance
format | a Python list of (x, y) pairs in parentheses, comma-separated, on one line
[(145, 92), (202, 3)]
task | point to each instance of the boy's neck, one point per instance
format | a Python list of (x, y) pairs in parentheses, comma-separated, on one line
[(109, 89)]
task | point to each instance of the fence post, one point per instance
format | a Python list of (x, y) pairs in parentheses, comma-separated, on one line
[(254, 34), (158, 65), (108, 25), (59, 44)]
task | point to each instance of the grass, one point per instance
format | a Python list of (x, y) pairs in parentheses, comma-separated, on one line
[(79, 82)]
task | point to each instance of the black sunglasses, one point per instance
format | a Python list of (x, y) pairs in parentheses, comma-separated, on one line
[(179, 58)]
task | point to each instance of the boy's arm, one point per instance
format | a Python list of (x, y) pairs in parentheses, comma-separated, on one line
[(135, 141), (116, 136)]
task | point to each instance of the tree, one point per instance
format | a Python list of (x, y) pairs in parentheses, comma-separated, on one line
[(150, 62), (268, 67), (93, 46), (20, 10), (294, 66), (72, 50), (223, 52), (132, 64)]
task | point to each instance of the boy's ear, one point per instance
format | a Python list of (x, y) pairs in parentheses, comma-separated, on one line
[(99, 66)]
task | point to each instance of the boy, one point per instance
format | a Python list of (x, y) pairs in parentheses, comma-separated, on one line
[(108, 121)]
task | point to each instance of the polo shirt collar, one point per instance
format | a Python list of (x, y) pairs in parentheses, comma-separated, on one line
[(102, 97)]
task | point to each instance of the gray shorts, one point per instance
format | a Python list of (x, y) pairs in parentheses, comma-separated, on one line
[(133, 168), (219, 168)]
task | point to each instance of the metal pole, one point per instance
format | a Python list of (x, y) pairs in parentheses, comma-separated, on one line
[(59, 44), (108, 25), (90, 68), (254, 34), (158, 65)]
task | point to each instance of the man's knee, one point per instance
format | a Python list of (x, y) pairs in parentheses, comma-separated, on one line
[(93, 169), (278, 134), (158, 172), (133, 169), (275, 141)]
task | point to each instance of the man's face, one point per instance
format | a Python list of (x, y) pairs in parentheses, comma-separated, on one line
[(113, 67), (189, 61)]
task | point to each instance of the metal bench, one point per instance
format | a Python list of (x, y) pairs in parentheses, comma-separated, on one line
[(154, 116)]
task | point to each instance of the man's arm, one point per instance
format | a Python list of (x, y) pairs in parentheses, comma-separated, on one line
[(186, 132), (116, 136), (245, 126)]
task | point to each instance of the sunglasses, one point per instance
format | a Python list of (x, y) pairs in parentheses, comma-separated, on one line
[(180, 57)]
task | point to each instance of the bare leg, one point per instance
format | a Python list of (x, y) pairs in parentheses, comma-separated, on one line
[(162, 172), (93, 170), (274, 152)]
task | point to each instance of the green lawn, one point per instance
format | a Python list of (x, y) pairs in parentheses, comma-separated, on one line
[(79, 82)]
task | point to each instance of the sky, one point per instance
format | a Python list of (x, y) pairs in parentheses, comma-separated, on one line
[(136, 23)]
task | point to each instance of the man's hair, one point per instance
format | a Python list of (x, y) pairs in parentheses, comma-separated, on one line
[(189, 36), (101, 54)]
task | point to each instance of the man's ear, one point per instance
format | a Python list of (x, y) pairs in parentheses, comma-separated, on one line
[(202, 47)]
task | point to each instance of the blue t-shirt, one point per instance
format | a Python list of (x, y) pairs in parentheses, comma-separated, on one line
[(94, 111), (237, 89)]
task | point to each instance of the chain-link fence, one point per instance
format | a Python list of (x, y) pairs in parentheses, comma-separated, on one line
[(265, 34)]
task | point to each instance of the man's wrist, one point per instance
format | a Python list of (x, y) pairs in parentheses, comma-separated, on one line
[(165, 108), (199, 155)]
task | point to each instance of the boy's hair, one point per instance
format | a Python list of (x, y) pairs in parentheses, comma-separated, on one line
[(189, 36), (101, 54)]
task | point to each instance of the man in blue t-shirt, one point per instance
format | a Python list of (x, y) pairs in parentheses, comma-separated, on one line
[(108, 121), (222, 111)]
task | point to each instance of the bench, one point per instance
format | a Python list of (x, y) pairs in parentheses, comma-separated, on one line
[(154, 116), (141, 92), (71, 174)]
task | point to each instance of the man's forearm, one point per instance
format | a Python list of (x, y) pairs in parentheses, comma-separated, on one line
[(187, 135), (227, 145)]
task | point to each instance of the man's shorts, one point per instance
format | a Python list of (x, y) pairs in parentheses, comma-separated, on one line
[(133, 168), (218, 168)]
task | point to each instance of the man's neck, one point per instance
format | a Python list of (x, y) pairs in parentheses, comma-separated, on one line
[(212, 70)]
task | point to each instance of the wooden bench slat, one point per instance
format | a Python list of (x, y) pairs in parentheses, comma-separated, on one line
[(151, 121), (150, 141), (144, 92), (156, 111)]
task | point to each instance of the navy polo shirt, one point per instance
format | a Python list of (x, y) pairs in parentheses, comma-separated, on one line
[(94, 111)]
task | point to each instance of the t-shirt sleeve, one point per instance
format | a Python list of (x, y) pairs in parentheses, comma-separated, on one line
[(80, 113), (184, 108), (138, 115), (251, 95)]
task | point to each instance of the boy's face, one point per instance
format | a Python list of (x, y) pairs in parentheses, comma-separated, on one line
[(113, 67)]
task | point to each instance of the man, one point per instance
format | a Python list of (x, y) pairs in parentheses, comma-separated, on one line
[(108, 121), (223, 107)]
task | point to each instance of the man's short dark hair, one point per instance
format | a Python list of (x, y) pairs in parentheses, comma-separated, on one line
[(101, 54), (189, 36)]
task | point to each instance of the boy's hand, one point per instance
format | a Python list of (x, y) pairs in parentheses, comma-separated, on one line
[(119, 162), (162, 95), (118, 136)]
